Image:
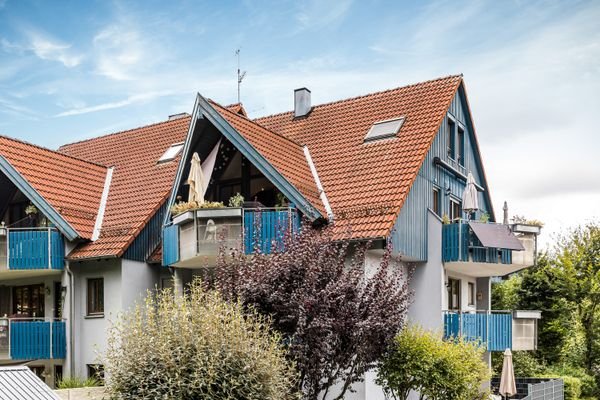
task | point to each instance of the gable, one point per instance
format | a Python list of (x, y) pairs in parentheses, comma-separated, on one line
[(409, 237), (278, 158)]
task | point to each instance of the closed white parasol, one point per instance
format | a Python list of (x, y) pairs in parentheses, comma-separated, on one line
[(196, 180), (508, 386), (469, 199)]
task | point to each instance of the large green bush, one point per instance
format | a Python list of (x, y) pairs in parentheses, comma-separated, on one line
[(196, 347), (420, 360)]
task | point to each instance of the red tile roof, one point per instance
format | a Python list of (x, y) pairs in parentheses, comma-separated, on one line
[(139, 185), (73, 187), (367, 183), (282, 153)]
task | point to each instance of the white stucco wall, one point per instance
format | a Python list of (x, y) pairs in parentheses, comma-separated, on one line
[(90, 332)]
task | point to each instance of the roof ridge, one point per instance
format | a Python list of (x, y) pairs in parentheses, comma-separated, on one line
[(57, 152), (365, 95), (256, 123), (121, 132)]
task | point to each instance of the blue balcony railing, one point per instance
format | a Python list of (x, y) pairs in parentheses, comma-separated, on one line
[(30, 338), (196, 236), (459, 243), (265, 230), (492, 329), (32, 249)]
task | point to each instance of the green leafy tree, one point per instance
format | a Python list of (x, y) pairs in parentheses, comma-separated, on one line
[(421, 361), (196, 347)]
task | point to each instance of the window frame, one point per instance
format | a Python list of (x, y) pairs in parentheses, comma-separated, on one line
[(92, 307), (451, 287), (399, 121), (436, 206), (458, 203), (471, 294), (451, 137), (460, 137)]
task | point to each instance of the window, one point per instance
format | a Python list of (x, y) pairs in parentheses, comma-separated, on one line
[(436, 201), (453, 294), (455, 210), (58, 374), (58, 300), (471, 294), (461, 146), (451, 138), (384, 129), (171, 152), (95, 296), (28, 301)]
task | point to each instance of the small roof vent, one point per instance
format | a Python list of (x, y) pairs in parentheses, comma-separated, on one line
[(384, 129), (302, 106), (178, 116)]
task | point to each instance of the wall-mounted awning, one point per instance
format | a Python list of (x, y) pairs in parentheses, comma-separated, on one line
[(496, 235)]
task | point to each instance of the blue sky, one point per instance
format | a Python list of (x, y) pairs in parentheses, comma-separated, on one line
[(72, 70)]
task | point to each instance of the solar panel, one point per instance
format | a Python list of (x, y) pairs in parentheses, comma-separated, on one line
[(496, 235), (384, 129)]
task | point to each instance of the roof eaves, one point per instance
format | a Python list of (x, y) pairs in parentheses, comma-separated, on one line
[(24, 186)]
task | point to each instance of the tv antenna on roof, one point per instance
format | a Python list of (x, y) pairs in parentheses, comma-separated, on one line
[(240, 74)]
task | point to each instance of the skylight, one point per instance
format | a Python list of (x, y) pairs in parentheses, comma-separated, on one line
[(384, 129), (171, 152)]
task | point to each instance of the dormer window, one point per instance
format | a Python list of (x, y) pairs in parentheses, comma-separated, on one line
[(384, 129), (171, 153)]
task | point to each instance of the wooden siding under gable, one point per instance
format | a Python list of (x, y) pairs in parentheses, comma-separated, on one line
[(409, 237), (145, 243)]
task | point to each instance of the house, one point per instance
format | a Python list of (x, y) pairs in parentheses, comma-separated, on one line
[(389, 167)]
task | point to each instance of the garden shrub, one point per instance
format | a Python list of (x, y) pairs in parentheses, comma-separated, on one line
[(196, 347), (420, 360)]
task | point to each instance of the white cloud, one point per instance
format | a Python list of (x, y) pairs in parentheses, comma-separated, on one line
[(47, 48), (317, 14), (138, 98), (120, 50)]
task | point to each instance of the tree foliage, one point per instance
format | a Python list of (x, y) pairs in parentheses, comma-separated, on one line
[(421, 361), (336, 317), (196, 347), (565, 286)]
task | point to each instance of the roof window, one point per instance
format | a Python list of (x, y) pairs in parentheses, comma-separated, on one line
[(171, 153), (384, 129)]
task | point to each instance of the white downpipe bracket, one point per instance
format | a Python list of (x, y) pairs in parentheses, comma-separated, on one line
[(322, 193), (102, 207)]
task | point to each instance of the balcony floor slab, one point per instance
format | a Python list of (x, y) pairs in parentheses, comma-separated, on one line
[(482, 270)]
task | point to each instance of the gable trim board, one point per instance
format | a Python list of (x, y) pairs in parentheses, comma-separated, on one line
[(103, 201), (203, 109), (21, 183)]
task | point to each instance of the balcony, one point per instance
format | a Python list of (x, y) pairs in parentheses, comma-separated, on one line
[(495, 330), (484, 249), (32, 339), (194, 238), (31, 251)]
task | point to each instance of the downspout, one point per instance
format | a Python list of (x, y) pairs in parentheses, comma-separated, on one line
[(71, 320)]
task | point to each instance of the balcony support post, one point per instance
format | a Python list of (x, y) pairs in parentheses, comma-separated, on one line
[(49, 251), (8, 250)]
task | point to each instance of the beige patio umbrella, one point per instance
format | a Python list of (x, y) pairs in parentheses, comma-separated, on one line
[(508, 386), (469, 198), (196, 180)]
